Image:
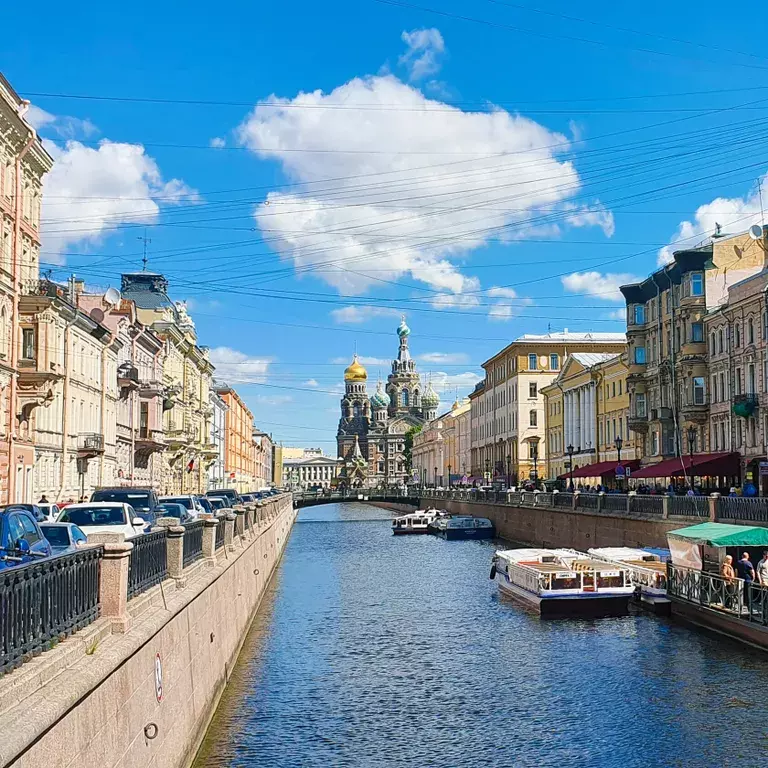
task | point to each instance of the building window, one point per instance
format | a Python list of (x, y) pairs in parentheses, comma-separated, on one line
[(640, 408), (720, 342), (28, 343), (531, 362), (751, 382), (737, 382), (697, 332), (405, 398), (697, 284), (750, 331), (639, 355), (739, 432), (554, 362), (712, 347), (654, 443), (737, 335), (532, 390), (534, 418), (639, 314), (698, 390)]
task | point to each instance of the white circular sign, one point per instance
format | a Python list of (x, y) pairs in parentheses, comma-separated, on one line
[(158, 678)]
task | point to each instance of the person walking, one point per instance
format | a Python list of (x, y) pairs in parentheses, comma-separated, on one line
[(43, 500)]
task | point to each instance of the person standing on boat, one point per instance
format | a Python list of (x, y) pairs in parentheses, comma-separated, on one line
[(745, 568), (762, 569)]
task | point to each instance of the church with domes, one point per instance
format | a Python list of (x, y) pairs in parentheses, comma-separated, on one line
[(371, 433)]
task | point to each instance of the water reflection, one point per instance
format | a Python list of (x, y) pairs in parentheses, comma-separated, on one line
[(374, 651)]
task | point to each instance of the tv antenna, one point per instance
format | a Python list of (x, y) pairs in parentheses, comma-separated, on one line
[(146, 242)]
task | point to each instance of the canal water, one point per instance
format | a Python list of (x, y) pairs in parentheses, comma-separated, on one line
[(372, 650)]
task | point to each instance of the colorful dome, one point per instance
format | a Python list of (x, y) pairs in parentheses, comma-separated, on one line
[(403, 329), (430, 399), (379, 399), (355, 372)]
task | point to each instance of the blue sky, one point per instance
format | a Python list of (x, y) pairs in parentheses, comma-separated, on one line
[(306, 172)]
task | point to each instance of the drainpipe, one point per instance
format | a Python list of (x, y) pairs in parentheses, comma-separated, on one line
[(103, 420), (65, 410), (18, 214)]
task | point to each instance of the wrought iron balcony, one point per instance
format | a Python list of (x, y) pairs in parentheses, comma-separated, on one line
[(745, 405), (90, 444)]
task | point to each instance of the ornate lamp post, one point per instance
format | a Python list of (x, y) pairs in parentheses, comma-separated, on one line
[(435, 477), (509, 464), (535, 457), (569, 449), (487, 469), (449, 477), (691, 447), (618, 442)]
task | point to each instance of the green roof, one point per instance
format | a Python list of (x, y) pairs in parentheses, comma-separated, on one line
[(722, 535)]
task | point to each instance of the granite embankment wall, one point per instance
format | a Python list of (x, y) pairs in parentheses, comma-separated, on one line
[(548, 527), (98, 701), (400, 509)]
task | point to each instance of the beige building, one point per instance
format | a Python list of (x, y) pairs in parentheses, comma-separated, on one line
[(509, 430), (23, 163), (263, 456), (587, 414), (441, 450), (310, 471)]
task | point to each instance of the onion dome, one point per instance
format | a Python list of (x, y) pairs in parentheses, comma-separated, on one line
[(403, 329), (430, 399), (379, 399), (355, 372)]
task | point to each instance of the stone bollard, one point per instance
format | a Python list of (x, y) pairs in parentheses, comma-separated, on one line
[(575, 499), (239, 521), (175, 534), (665, 507), (714, 501), (210, 526), (229, 531), (600, 501), (113, 582)]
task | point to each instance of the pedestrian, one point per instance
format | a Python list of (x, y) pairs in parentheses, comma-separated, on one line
[(690, 492), (762, 569), (43, 500), (729, 577), (745, 568)]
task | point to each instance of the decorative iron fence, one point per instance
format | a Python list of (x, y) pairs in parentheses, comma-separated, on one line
[(587, 501), (543, 499), (515, 497), (43, 602), (740, 508), (563, 500), (220, 533), (148, 564), (614, 502), (652, 506), (689, 506), (193, 542)]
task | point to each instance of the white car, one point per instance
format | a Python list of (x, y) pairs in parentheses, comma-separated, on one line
[(104, 517), (192, 505), (51, 511)]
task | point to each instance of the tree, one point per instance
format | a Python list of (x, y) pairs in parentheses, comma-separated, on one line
[(408, 449)]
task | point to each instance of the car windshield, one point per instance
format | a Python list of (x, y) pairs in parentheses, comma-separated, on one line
[(57, 535), (139, 500), (216, 503), (205, 504), (94, 515), (185, 501)]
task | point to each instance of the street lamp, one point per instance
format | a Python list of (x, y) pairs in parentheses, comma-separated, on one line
[(509, 463), (449, 477), (570, 465), (435, 477), (535, 457), (487, 469), (691, 446), (618, 442)]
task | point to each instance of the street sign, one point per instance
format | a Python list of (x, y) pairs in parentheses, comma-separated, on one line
[(619, 470), (763, 468)]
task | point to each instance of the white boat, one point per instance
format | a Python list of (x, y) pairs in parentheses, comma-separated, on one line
[(413, 522), (647, 571), (463, 527), (563, 582)]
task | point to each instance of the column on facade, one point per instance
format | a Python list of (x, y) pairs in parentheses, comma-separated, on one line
[(592, 416)]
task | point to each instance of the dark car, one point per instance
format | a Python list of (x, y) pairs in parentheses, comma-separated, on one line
[(228, 493), (33, 509), (21, 540), (173, 509), (249, 497), (205, 503), (217, 502), (143, 500), (63, 537)]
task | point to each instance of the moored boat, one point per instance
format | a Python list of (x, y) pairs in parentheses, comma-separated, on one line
[(563, 582), (648, 572), (463, 527), (413, 523)]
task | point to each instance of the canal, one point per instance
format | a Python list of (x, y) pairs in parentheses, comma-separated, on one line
[(371, 650)]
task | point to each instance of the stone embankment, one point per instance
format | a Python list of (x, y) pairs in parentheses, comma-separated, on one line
[(138, 686)]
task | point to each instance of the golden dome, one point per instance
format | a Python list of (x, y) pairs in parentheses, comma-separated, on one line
[(355, 372)]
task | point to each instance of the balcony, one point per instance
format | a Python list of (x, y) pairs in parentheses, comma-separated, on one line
[(176, 436), (638, 420), (693, 349), (695, 408), (147, 442), (128, 377), (90, 444), (745, 405)]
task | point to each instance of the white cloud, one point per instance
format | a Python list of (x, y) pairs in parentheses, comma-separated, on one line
[(364, 359), (617, 314), (311, 383), (425, 49), (601, 286), (235, 367), (61, 126), (447, 383), (354, 314), (217, 142), (273, 399), (444, 358), (501, 311), (91, 191), (595, 215), (418, 184), (733, 214)]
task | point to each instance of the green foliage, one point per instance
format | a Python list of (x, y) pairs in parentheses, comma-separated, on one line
[(408, 450)]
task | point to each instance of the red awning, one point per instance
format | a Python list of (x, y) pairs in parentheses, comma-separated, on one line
[(601, 469), (698, 465)]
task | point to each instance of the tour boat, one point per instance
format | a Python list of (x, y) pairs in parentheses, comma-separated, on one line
[(563, 582), (647, 570), (413, 522), (463, 527)]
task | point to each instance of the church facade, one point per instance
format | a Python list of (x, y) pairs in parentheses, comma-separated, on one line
[(371, 433)]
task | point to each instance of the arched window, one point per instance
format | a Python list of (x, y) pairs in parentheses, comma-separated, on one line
[(750, 332), (737, 334), (415, 396), (720, 342), (405, 398), (3, 333), (713, 347), (356, 410)]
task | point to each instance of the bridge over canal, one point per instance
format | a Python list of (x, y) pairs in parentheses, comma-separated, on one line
[(314, 498)]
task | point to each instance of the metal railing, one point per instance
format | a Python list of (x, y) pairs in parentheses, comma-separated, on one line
[(43, 602), (653, 506), (563, 500), (220, 532), (91, 442), (148, 564), (193, 542), (614, 502), (741, 508), (748, 601), (587, 500), (689, 506)]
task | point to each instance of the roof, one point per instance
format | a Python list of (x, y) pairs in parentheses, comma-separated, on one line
[(572, 338), (588, 359), (601, 468), (698, 465), (722, 535), (148, 290)]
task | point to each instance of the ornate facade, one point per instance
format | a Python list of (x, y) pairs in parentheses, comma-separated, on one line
[(371, 433)]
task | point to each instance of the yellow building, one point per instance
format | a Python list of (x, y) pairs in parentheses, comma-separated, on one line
[(587, 413), (440, 451)]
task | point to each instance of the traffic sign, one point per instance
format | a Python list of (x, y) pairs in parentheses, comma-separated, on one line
[(619, 470)]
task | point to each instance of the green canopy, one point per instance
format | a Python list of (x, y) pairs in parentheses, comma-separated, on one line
[(722, 535)]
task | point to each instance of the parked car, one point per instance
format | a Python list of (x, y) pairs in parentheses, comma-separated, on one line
[(21, 540), (174, 509), (104, 517), (143, 500), (232, 496), (33, 509), (249, 497), (205, 503), (64, 537), (217, 502), (51, 511), (190, 503)]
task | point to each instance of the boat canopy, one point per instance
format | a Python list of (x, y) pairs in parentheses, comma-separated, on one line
[(722, 535)]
